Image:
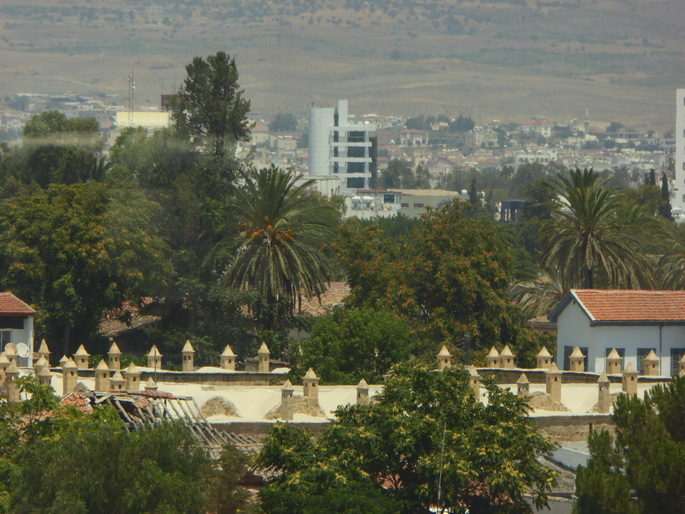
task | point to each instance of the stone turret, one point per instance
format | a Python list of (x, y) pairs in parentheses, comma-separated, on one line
[(69, 376), (150, 385), (506, 358), (132, 378), (522, 386), (444, 358), (613, 362), (81, 358), (188, 353), (154, 359), (102, 376), (474, 381), (12, 376), (553, 382), (544, 359), (44, 351), (493, 358), (117, 382), (604, 394), (287, 401), (263, 356), (228, 359), (114, 355), (44, 377), (363, 392), (577, 360), (4, 364), (40, 364), (629, 384), (310, 385), (651, 364), (63, 361)]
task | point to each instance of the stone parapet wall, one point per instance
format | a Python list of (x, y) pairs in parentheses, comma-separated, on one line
[(237, 378), (259, 430), (562, 429), (537, 376)]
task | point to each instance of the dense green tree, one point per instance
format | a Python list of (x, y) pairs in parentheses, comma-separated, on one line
[(350, 344), (646, 461), (283, 122), (450, 279), (209, 108), (462, 124), (426, 442), (76, 251), (589, 242), (283, 231), (55, 149)]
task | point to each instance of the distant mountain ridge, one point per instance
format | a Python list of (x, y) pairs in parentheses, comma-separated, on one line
[(488, 58)]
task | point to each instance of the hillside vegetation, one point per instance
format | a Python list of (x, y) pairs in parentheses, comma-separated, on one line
[(490, 58)]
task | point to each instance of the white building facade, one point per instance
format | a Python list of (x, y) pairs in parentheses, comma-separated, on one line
[(340, 147), (679, 185), (632, 322)]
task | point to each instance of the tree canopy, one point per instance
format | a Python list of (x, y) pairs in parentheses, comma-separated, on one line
[(427, 441), (209, 108), (76, 251), (282, 235), (589, 240), (450, 280), (641, 471)]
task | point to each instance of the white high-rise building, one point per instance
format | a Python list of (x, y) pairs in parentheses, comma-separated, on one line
[(340, 148), (678, 201)]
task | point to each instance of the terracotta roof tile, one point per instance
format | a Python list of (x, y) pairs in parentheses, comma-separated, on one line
[(10, 305), (633, 305)]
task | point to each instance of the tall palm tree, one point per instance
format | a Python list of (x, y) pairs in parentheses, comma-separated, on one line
[(282, 235), (671, 269), (592, 240)]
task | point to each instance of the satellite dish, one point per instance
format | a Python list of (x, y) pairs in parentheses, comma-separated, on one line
[(22, 350)]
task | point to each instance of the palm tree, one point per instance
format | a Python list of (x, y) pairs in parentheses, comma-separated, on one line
[(283, 233), (671, 270), (592, 240)]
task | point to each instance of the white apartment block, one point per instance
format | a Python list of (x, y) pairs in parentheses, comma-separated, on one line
[(679, 185), (340, 148)]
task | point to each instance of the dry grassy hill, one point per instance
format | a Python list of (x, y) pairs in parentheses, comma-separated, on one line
[(506, 59)]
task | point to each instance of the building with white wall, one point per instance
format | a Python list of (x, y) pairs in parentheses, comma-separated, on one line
[(340, 147), (631, 321), (678, 201), (16, 322)]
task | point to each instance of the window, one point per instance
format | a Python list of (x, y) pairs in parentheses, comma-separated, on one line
[(418, 206), (355, 183), (405, 205), (356, 152), (5, 337), (676, 355), (641, 354), (388, 198), (355, 167)]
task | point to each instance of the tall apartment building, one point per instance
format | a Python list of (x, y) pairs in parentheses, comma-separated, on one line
[(678, 200), (341, 148)]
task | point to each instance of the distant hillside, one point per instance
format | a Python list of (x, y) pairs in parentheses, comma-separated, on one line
[(508, 59)]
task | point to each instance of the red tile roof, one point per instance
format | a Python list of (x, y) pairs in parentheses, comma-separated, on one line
[(631, 306), (10, 305)]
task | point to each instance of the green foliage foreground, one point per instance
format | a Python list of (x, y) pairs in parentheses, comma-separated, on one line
[(642, 472), (77, 463), (426, 442)]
